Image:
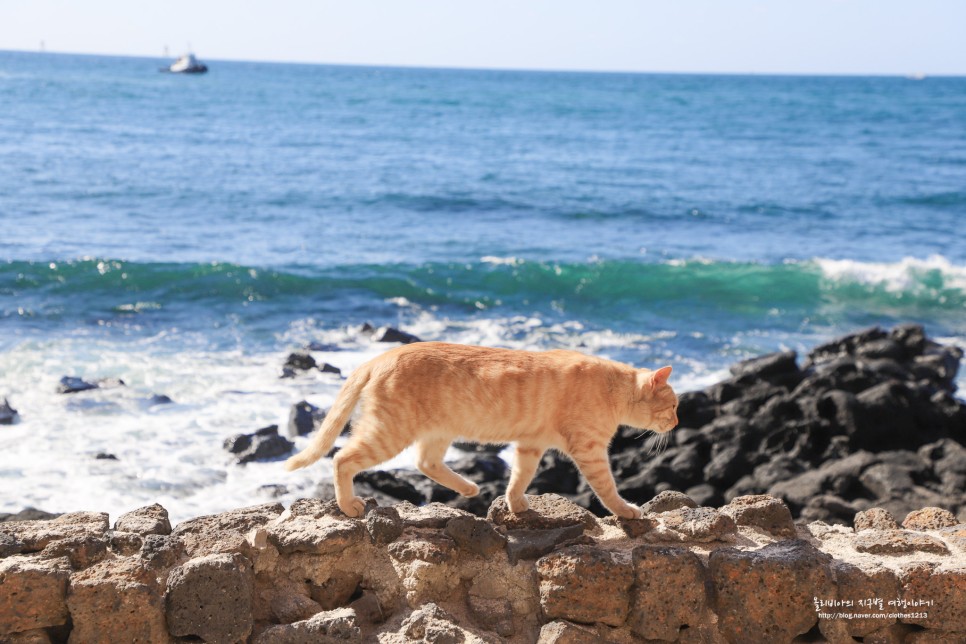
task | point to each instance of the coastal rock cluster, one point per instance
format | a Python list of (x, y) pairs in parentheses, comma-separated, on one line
[(868, 420), (744, 572)]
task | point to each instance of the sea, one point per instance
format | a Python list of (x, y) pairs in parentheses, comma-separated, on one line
[(186, 233)]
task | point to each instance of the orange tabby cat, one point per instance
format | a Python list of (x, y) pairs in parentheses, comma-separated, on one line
[(428, 394)]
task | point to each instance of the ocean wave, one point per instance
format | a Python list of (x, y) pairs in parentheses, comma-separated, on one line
[(492, 281)]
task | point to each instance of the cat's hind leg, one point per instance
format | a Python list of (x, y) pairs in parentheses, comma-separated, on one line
[(363, 450), (595, 466), (429, 460), (525, 464)]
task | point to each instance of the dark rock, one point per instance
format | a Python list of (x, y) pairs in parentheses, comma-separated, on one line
[(29, 514), (535, 543), (555, 474), (695, 409), (726, 466), (389, 484), (325, 367), (767, 366), (159, 399), (391, 334), (845, 345), (7, 413), (475, 535), (105, 456), (948, 460), (886, 348), (304, 418), (482, 468), (300, 361), (834, 477), (73, 385), (830, 509), (476, 448), (912, 337), (262, 445), (705, 494)]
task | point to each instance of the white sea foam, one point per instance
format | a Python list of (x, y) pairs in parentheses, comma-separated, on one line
[(901, 276)]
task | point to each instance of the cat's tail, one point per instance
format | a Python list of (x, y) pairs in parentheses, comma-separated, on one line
[(334, 421)]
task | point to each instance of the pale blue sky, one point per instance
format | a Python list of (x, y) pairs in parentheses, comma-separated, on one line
[(759, 36)]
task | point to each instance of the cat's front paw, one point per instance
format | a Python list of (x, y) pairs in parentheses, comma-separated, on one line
[(631, 512), (471, 490), (517, 504), (354, 507)]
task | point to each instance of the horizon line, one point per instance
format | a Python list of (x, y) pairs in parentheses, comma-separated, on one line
[(547, 70)]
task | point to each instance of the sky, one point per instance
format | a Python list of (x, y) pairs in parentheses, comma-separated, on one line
[(724, 36)]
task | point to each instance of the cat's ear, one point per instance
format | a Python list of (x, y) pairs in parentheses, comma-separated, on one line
[(659, 377)]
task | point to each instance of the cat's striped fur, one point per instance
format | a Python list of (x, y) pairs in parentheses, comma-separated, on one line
[(431, 393)]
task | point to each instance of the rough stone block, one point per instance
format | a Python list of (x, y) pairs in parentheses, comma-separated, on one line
[(33, 593), (875, 519), (764, 512), (116, 601), (315, 536), (546, 511), (561, 632), (657, 570), (151, 519), (330, 626), (856, 585), (432, 515), (430, 623), (423, 545), (767, 595), (211, 597), (533, 544), (700, 524), (668, 500), (929, 519), (475, 535), (897, 542), (937, 591), (384, 525), (225, 532), (584, 584)]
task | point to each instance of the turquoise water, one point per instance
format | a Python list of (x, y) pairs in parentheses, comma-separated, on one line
[(159, 228)]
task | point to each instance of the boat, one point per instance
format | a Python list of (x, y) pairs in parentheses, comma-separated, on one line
[(187, 64)]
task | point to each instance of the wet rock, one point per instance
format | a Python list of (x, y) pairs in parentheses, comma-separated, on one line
[(300, 361), (656, 569), (327, 626), (391, 334), (211, 597), (159, 399), (700, 524), (325, 367), (875, 519), (32, 593), (929, 519), (897, 542), (768, 366), (600, 593), (73, 385), (667, 501), (151, 519), (105, 456), (546, 511), (766, 595), (764, 512), (304, 418), (7, 413), (261, 445)]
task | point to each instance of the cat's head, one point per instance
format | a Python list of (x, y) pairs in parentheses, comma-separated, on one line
[(656, 405)]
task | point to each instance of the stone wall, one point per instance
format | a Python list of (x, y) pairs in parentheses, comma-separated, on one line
[(741, 573)]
